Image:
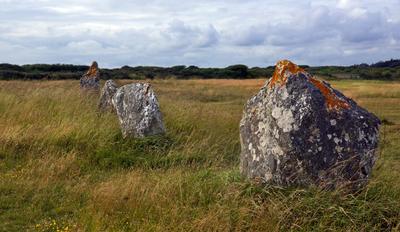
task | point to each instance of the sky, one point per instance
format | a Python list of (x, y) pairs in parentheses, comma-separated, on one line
[(206, 33)]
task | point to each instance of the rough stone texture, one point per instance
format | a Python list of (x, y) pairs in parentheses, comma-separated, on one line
[(106, 95), (298, 130), (138, 110), (91, 79)]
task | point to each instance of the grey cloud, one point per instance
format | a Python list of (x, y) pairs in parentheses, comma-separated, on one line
[(251, 36), (319, 24), (204, 33), (185, 35)]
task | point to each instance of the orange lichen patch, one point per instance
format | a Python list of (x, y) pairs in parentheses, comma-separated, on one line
[(93, 69), (331, 99), (283, 70)]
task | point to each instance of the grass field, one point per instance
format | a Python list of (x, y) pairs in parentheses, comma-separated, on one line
[(65, 167)]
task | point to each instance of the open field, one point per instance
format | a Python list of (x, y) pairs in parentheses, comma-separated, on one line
[(65, 167)]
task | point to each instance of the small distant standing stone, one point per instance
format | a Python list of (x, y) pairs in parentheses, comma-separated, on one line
[(106, 95), (138, 110), (298, 130), (91, 79)]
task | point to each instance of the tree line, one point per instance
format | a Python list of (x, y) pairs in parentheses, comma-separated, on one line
[(381, 70)]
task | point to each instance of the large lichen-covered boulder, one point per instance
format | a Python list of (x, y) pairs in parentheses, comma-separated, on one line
[(91, 79), (138, 110), (298, 130), (106, 95)]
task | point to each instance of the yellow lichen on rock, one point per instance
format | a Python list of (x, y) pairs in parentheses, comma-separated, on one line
[(285, 69), (91, 79), (94, 68), (332, 100)]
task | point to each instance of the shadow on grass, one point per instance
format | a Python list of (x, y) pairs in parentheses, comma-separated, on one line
[(313, 208), (156, 152), (14, 153)]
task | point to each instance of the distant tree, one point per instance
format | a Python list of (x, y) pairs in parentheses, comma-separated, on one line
[(381, 70), (192, 67), (238, 70), (389, 63), (150, 76), (11, 67), (175, 70), (126, 67), (257, 72)]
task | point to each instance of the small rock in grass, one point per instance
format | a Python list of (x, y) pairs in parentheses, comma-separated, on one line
[(106, 95), (138, 110), (91, 79)]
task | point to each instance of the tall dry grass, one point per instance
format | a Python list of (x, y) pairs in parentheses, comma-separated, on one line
[(64, 166)]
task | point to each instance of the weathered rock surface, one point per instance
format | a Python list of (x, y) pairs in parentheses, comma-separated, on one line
[(91, 79), (298, 130), (138, 110), (106, 95)]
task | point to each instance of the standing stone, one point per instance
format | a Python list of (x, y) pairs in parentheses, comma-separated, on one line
[(91, 79), (298, 130), (138, 110), (106, 95)]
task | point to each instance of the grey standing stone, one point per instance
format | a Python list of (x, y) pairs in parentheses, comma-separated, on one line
[(106, 95), (91, 79), (138, 110), (298, 130)]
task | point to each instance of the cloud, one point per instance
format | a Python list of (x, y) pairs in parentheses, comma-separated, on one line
[(204, 33), (179, 35)]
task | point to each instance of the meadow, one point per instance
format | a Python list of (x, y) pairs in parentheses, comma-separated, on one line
[(65, 167)]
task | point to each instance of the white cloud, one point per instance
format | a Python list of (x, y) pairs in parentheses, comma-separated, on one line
[(86, 46), (205, 33)]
